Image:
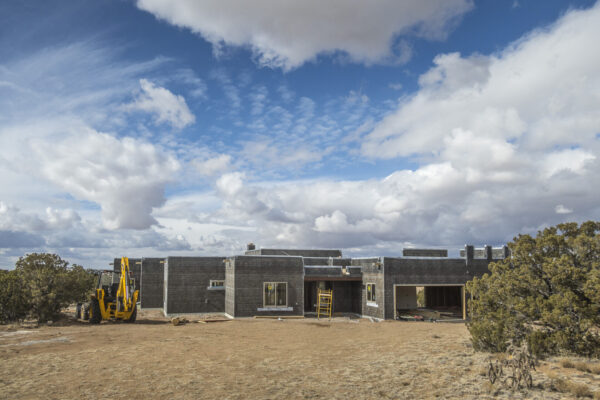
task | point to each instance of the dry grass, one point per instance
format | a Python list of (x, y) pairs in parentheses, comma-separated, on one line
[(248, 358), (578, 390), (588, 367)]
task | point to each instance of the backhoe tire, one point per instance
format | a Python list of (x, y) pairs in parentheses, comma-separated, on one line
[(95, 315), (133, 315), (78, 311), (85, 311)]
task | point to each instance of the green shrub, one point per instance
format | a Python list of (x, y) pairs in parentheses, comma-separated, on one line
[(41, 286), (13, 301), (546, 294)]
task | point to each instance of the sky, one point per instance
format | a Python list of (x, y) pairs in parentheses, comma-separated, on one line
[(154, 127)]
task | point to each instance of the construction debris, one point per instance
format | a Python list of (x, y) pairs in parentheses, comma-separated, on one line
[(179, 321)]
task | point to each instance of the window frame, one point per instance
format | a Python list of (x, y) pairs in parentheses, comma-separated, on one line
[(276, 296), (369, 293), (210, 284)]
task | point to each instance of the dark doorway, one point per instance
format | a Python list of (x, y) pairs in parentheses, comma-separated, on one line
[(346, 295), (443, 297)]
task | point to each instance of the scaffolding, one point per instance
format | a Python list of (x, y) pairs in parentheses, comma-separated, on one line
[(324, 303)]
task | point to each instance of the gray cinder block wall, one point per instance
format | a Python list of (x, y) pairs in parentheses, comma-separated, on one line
[(245, 278), (187, 285), (372, 272), (294, 252), (152, 278)]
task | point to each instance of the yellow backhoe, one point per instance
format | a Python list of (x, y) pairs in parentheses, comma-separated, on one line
[(115, 297)]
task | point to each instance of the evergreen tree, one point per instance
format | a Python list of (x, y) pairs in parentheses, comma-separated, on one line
[(546, 294)]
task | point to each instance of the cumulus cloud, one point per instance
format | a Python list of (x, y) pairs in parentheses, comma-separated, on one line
[(437, 204), (12, 218), (286, 35), (126, 177), (539, 92), (166, 106)]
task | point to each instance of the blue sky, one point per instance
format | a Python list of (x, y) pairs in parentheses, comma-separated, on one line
[(149, 127)]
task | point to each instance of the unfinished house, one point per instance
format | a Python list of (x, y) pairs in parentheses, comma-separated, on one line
[(286, 282)]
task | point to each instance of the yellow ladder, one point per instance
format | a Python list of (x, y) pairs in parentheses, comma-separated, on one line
[(324, 303)]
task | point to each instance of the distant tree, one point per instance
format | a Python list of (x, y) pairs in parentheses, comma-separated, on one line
[(546, 294), (80, 282), (14, 305), (50, 285)]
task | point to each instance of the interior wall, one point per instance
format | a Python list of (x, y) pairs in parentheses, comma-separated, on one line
[(443, 296), (406, 297)]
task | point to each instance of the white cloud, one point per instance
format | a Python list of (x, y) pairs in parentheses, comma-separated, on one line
[(167, 107), (570, 160), (560, 209), (215, 165), (539, 92), (12, 218), (286, 35), (126, 177), (444, 203)]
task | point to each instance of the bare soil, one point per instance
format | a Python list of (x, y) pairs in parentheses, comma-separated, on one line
[(251, 359)]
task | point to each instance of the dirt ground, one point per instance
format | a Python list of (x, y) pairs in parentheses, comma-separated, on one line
[(251, 359)]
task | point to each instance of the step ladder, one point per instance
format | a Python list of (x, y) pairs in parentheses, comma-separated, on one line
[(324, 303)]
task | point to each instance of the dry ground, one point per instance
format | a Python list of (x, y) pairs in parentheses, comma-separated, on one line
[(252, 359)]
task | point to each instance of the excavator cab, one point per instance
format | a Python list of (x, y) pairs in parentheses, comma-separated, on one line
[(115, 297)]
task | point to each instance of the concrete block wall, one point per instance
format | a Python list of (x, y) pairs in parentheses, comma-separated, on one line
[(331, 261), (229, 287), (294, 252), (373, 272), (246, 276), (152, 278), (408, 252), (186, 285)]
